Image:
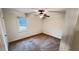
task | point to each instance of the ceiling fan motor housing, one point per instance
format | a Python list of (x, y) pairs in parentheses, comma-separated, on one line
[(42, 13)]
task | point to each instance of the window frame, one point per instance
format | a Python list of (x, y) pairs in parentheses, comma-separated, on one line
[(18, 24)]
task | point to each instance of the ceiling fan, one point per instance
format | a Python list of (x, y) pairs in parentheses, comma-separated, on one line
[(41, 13)]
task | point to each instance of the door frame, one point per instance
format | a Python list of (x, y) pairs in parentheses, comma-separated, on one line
[(71, 17), (3, 32)]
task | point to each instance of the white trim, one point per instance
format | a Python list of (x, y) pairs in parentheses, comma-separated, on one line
[(3, 33)]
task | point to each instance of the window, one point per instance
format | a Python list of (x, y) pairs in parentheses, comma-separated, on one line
[(22, 23)]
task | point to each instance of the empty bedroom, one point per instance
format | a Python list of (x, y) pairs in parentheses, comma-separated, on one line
[(35, 29)]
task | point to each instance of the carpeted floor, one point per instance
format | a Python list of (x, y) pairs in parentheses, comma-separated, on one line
[(41, 42)]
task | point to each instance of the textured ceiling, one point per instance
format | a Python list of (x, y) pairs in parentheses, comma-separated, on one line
[(27, 10)]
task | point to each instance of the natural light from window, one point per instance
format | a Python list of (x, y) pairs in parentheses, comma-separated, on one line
[(22, 22)]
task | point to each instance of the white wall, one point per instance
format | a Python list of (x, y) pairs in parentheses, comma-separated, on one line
[(34, 25), (54, 24)]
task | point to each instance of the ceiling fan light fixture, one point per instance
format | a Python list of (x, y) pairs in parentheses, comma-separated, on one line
[(41, 16)]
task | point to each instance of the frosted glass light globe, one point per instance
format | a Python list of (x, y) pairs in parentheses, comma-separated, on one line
[(41, 16)]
